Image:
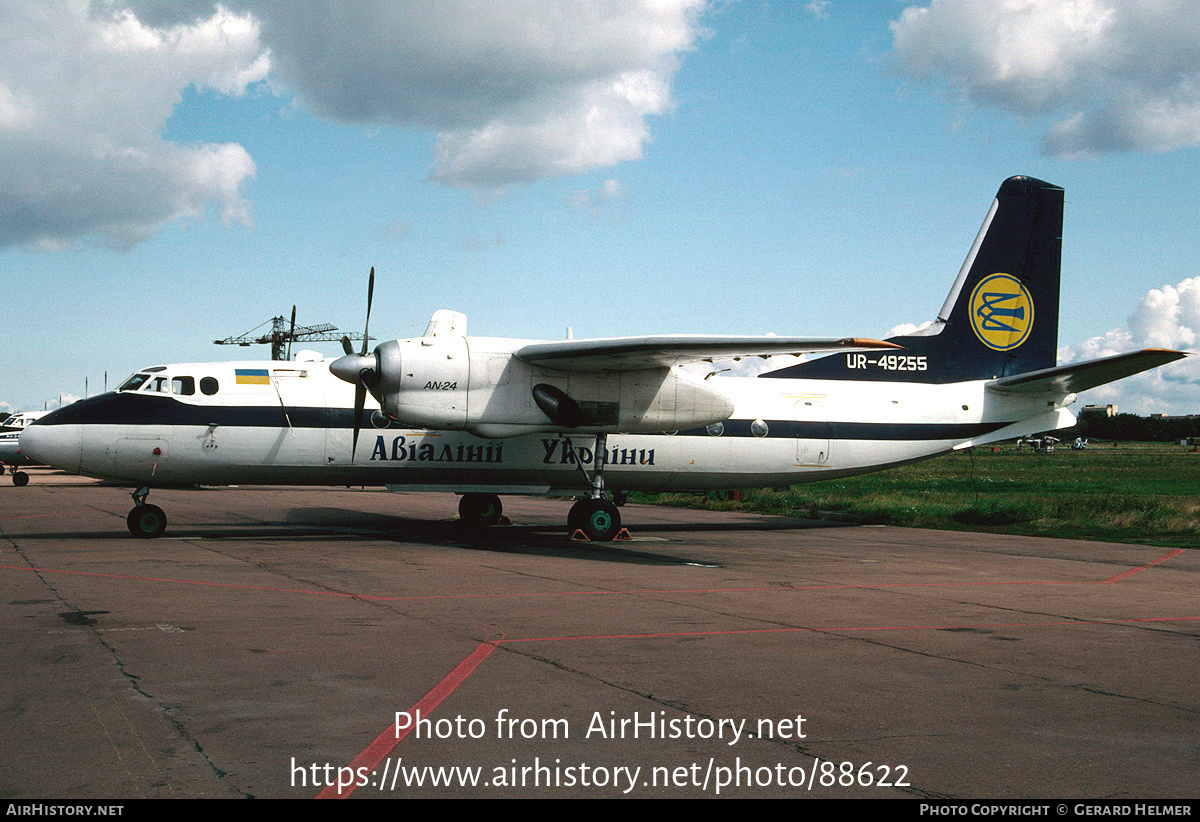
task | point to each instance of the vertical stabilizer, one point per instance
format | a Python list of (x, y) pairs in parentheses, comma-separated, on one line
[(1001, 317)]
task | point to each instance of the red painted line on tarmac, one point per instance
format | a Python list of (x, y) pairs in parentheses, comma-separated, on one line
[(634, 591), (136, 578), (1149, 564), (836, 630), (749, 589), (433, 597), (386, 741)]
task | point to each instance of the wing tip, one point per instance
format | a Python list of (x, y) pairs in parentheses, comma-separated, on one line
[(1171, 352), (867, 342)]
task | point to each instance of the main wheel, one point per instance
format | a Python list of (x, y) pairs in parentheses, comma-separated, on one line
[(20, 478), (147, 521), (482, 510), (599, 519)]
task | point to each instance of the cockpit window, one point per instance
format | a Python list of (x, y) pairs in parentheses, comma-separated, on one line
[(183, 386), (134, 383)]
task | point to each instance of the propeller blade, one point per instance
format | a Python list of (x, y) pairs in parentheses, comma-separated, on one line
[(291, 333), (360, 398), (355, 369), (367, 324)]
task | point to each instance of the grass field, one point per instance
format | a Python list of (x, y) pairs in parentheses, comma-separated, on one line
[(1144, 493)]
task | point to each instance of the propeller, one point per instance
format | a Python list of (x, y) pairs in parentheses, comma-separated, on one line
[(291, 333), (358, 369)]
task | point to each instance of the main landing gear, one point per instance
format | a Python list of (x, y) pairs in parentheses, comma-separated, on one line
[(597, 519), (594, 517), (480, 510), (145, 520)]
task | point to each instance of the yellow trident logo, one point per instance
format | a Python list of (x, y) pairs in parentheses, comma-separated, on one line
[(1001, 312)]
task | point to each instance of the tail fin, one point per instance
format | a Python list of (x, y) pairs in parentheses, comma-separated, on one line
[(1001, 317)]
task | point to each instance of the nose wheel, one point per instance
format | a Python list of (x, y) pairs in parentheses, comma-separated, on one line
[(145, 520)]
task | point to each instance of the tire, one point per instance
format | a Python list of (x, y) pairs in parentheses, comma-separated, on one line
[(599, 519), (147, 521), (480, 510), (20, 478)]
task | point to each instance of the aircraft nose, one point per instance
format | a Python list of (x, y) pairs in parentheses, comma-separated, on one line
[(59, 446)]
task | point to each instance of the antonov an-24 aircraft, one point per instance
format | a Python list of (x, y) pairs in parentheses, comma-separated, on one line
[(599, 418)]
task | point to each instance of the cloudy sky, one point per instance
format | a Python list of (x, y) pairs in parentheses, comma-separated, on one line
[(174, 172)]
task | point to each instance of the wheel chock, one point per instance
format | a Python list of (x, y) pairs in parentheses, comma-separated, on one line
[(504, 520), (622, 536)]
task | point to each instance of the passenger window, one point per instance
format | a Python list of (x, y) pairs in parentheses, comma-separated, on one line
[(209, 386), (183, 386)]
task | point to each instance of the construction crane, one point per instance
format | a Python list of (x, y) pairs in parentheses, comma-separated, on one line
[(282, 334)]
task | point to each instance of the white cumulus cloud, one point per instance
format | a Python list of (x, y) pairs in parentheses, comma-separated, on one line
[(1120, 75), (85, 92), (515, 89), (1167, 317)]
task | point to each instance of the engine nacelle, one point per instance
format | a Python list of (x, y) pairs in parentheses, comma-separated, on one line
[(643, 401), (424, 382), (475, 384)]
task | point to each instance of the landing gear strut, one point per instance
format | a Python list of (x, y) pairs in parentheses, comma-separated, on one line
[(145, 520), (594, 516)]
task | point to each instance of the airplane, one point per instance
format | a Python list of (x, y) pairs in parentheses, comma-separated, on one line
[(10, 450), (598, 418)]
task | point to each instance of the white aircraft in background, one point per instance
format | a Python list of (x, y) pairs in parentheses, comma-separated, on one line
[(10, 449), (487, 416)]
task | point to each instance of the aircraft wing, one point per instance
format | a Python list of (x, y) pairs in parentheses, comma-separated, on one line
[(1075, 377), (639, 353)]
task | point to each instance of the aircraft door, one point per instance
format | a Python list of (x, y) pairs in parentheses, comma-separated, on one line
[(812, 433)]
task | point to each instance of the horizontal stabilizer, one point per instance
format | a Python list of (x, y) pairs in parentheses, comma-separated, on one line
[(638, 353), (1080, 376)]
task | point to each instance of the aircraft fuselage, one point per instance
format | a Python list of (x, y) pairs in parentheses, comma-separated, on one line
[(293, 425)]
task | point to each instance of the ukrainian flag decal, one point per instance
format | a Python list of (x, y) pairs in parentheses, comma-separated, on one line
[(251, 376), (1001, 312)]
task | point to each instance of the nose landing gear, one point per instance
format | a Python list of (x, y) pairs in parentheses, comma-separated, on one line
[(145, 520)]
